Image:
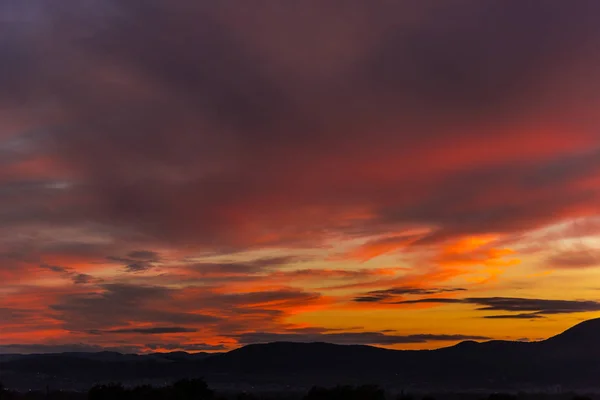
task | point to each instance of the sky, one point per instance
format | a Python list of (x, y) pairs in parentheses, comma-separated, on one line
[(198, 176)]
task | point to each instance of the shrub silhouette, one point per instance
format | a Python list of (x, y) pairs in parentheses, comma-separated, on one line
[(147, 392), (191, 389)]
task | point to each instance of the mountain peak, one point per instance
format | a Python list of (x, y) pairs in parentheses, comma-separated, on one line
[(580, 334)]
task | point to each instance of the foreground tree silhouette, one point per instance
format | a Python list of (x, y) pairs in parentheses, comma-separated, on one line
[(147, 392), (192, 389)]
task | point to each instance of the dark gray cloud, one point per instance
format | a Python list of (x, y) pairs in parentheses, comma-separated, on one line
[(76, 278), (82, 278), (134, 307), (155, 330), (12, 315), (579, 258), (55, 268), (244, 268), (63, 348), (145, 255), (186, 347), (515, 316), (431, 300), (368, 299), (138, 267), (541, 306), (390, 294), (374, 338), (526, 307), (138, 260), (127, 304)]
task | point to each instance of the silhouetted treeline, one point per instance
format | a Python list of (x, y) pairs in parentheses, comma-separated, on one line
[(198, 389)]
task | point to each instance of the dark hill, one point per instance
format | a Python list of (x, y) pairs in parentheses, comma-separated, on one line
[(287, 356), (467, 364), (571, 358), (585, 334)]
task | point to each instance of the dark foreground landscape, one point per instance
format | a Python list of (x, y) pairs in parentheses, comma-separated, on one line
[(197, 389), (564, 363)]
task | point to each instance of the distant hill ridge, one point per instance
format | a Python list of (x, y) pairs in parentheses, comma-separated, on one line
[(571, 358)]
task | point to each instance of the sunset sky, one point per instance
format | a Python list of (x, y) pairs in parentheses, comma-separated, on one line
[(190, 175)]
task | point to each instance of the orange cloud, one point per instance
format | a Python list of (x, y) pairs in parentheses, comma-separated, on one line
[(378, 247)]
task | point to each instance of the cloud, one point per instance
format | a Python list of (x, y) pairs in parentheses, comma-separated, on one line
[(127, 304), (75, 277), (537, 307), (138, 267), (383, 80), (278, 299), (476, 259), (542, 306), (387, 294), (153, 133), (82, 278), (145, 255), (440, 300), (155, 330), (319, 274), (243, 268), (196, 312), (515, 316), (138, 260), (186, 347), (20, 316), (369, 338), (579, 258), (55, 268), (63, 348), (378, 247)]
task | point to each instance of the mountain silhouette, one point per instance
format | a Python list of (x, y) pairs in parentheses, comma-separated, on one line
[(585, 335), (571, 359)]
